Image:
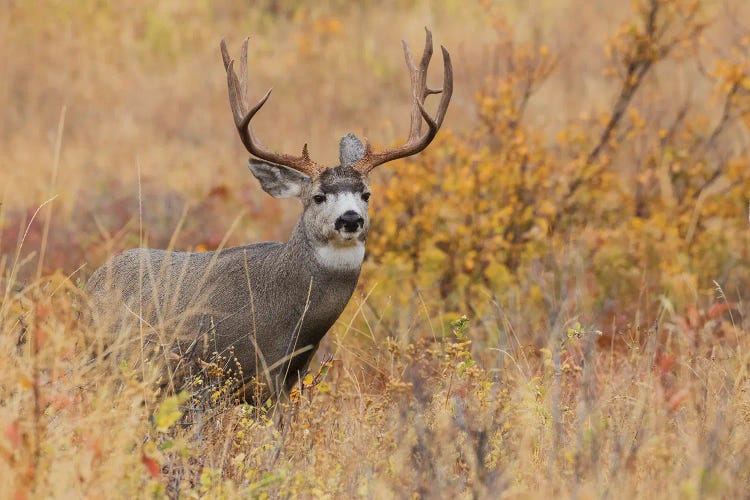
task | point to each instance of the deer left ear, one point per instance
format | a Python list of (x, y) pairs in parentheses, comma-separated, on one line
[(277, 180)]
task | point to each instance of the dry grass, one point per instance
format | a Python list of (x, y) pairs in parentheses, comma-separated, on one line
[(605, 355)]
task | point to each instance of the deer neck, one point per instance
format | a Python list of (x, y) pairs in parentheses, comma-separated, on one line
[(322, 278), (324, 260)]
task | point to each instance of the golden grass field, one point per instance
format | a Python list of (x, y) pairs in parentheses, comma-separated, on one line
[(553, 298)]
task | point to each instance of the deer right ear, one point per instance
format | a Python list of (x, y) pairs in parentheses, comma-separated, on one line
[(277, 180)]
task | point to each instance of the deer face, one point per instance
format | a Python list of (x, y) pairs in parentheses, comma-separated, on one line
[(336, 207), (335, 217), (335, 203)]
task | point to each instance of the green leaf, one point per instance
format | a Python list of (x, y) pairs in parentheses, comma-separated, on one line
[(459, 327)]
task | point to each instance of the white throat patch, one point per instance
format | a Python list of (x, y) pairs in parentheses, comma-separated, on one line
[(347, 258)]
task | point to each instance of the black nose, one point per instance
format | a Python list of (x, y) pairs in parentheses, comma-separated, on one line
[(350, 221)]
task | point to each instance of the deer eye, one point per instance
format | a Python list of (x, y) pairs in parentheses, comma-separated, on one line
[(319, 198), (366, 197)]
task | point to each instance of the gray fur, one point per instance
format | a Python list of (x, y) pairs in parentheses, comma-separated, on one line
[(280, 297), (351, 150), (277, 180)]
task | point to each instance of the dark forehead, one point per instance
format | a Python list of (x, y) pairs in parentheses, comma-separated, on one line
[(340, 179)]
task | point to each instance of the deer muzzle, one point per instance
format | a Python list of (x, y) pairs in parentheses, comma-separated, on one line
[(350, 222)]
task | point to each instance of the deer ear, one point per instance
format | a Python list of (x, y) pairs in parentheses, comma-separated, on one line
[(351, 150), (277, 180)]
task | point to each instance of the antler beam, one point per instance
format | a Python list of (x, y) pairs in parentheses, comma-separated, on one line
[(416, 141), (242, 116)]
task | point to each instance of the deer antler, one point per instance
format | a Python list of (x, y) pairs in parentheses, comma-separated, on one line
[(416, 141), (243, 115)]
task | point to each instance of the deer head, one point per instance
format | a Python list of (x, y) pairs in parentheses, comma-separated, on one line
[(335, 199)]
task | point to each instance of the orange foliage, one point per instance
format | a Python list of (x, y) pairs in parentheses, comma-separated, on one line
[(654, 205)]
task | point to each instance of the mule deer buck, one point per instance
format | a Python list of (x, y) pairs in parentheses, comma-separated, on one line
[(270, 303)]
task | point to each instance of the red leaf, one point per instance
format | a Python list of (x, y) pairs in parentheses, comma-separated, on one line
[(678, 398), (153, 467), (40, 338), (95, 447), (59, 402), (13, 434), (220, 191), (718, 309), (664, 363)]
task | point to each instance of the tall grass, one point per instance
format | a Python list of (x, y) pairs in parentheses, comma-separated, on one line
[(553, 298)]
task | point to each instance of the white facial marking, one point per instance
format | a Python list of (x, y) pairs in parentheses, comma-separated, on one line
[(343, 202), (341, 258)]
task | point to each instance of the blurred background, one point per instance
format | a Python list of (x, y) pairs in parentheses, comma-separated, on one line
[(600, 142), (585, 206)]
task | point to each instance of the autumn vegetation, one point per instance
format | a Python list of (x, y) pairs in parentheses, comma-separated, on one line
[(553, 297)]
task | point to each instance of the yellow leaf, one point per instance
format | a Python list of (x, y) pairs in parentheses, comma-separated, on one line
[(169, 412), (294, 395)]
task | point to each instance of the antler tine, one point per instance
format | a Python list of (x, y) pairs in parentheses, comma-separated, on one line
[(418, 77), (242, 116), (225, 53), (243, 68), (447, 89), (416, 141)]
